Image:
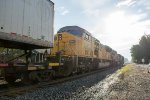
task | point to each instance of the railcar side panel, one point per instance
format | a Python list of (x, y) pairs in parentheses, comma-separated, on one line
[(30, 21)]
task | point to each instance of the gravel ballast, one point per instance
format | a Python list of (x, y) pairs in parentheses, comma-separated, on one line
[(130, 83), (65, 90)]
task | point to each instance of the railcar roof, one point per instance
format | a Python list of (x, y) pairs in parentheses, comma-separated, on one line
[(75, 30)]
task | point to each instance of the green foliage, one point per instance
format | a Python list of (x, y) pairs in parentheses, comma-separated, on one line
[(8, 54), (142, 50)]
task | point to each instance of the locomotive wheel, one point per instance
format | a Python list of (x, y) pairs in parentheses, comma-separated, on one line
[(88, 68), (25, 78), (67, 69), (34, 77), (10, 79), (46, 76), (40, 76)]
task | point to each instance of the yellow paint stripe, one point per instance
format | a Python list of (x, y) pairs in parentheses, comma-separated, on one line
[(55, 64), (35, 68), (32, 68), (41, 67)]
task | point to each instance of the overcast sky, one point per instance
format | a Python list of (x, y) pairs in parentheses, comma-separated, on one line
[(116, 23)]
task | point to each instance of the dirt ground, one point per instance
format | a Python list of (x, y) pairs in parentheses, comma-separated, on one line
[(133, 84)]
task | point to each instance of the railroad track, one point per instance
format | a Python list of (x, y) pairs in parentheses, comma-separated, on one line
[(14, 91)]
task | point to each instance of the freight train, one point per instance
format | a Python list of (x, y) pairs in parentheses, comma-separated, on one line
[(75, 51), (31, 53)]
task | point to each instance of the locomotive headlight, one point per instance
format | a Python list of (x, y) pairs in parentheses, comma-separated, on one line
[(62, 59)]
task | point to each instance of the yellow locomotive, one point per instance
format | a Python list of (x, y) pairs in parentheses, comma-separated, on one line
[(76, 50)]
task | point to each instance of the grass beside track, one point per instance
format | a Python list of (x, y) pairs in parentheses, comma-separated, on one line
[(121, 72), (125, 69)]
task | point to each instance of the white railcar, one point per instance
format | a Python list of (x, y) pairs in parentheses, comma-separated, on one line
[(26, 21)]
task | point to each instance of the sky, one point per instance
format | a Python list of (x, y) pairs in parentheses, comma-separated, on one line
[(116, 23)]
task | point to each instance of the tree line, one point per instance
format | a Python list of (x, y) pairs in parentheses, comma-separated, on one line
[(142, 50)]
